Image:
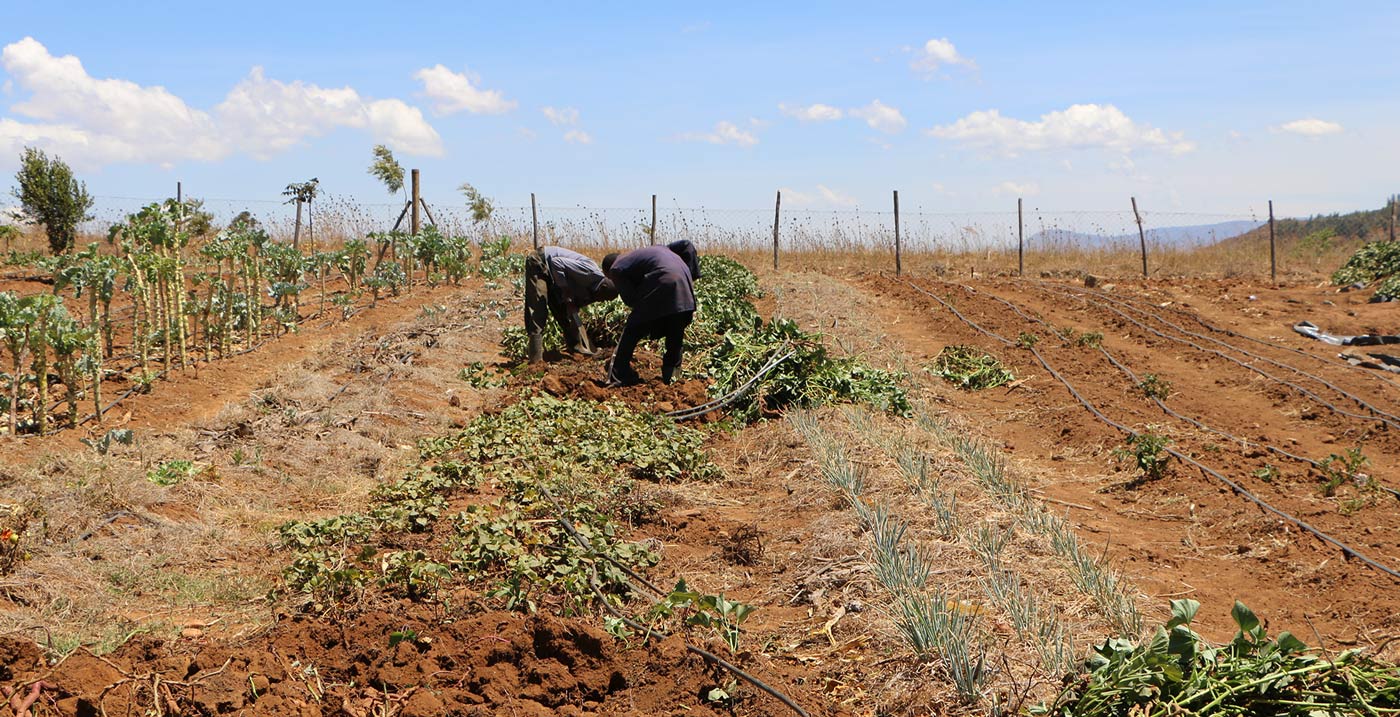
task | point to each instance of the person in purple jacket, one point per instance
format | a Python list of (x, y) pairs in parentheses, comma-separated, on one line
[(658, 284)]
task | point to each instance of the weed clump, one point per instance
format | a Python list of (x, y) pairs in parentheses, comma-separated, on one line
[(970, 368)]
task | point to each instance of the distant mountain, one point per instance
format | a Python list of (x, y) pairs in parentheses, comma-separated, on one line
[(1192, 235)]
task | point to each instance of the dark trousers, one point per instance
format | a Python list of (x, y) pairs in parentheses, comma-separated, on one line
[(671, 328), (543, 299)]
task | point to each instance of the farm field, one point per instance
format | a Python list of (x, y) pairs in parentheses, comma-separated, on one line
[(364, 516)]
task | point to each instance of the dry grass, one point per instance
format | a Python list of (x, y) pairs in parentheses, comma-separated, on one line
[(114, 554)]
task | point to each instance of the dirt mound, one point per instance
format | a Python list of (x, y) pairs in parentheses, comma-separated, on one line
[(584, 379), (408, 660)]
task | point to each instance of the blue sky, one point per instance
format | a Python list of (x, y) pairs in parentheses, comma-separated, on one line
[(1191, 106)]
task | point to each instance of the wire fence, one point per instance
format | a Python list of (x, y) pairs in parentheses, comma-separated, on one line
[(1051, 239), (739, 229)]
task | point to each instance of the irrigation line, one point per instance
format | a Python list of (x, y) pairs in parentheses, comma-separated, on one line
[(1240, 490), (697, 411), (1167, 409), (1384, 417), (568, 526), (1270, 344), (1246, 352)]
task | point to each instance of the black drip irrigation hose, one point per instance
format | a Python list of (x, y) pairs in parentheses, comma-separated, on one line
[(1359, 401), (1238, 489), (1167, 409), (568, 526), (1380, 415), (1235, 334), (686, 414)]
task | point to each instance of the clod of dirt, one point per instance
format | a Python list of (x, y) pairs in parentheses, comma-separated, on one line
[(744, 547)]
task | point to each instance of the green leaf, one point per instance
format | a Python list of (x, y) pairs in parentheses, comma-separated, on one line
[(1183, 612), (1248, 623)]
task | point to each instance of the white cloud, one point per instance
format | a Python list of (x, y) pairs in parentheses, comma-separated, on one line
[(263, 117), (112, 120), (1311, 127), (882, 117), (939, 53), (561, 116), (458, 91), (92, 122), (1078, 127), (834, 197), (1017, 189), (724, 133), (812, 113), (794, 197), (567, 117)]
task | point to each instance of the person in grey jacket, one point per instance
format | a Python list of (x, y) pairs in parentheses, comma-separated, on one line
[(658, 284), (559, 282)]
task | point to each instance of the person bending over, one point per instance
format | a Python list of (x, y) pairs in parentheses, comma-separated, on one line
[(658, 284), (559, 282)]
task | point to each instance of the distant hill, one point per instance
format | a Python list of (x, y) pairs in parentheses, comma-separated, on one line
[(1190, 235), (1317, 231)]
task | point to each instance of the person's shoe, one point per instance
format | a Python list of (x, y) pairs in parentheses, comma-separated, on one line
[(535, 353), (580, 350), (622, 382)]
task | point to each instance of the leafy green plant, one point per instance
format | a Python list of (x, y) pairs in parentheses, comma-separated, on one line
[(1148, 454), (1091, 339), (1177, 672), (1339, 469), (1027, 340), (1374, 260), (1268, 473), (412, 574), (478, 376), (1154, 386), (716, 613), (970, 368), (104, 443), (172, 472)]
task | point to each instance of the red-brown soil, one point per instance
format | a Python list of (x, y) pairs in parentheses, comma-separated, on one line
[(482, 664), (1188, 534), (772, 536)]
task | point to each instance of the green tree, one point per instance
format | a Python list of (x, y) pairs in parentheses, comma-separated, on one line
[(387, 169), (302, 193), (480, 206), (49, 193)]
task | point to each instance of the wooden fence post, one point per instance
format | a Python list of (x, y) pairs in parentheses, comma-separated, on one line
[(898, 263), (1142, 237), (413, 218), (534, 221), (1020, 240), (1273, 265), (653, 219), (777, 205)]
